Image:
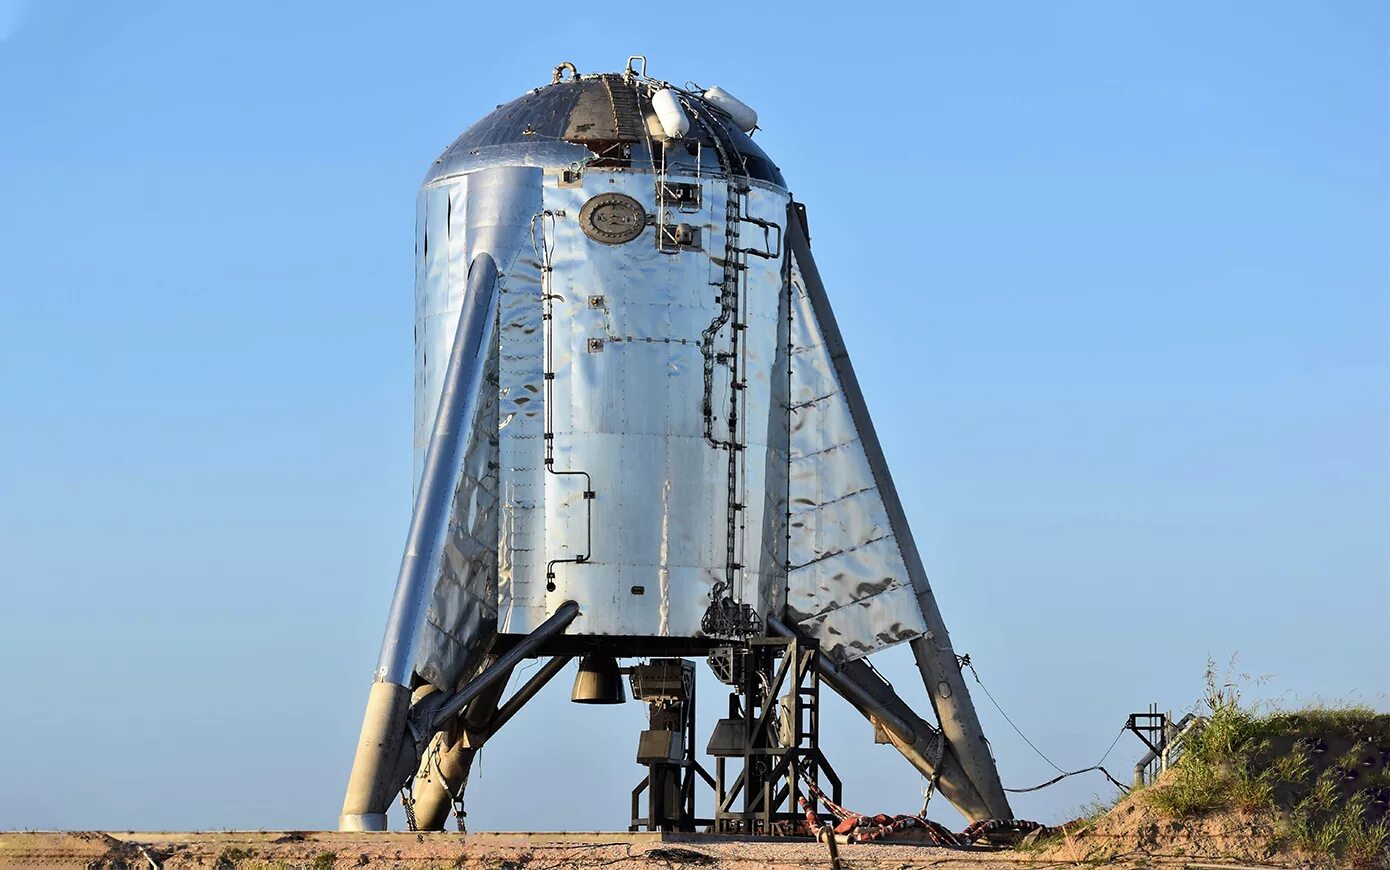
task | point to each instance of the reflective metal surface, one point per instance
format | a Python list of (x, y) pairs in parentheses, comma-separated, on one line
[(485, 213), (436, 544), (848, 585), (626, 397), (618, 374), (936, 659), (437, 710), (589, 116), (646, 433)]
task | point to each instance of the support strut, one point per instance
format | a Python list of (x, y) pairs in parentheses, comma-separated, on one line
[(384, 765), (443, 773), (922, 745), (383, 739), (936, 660)]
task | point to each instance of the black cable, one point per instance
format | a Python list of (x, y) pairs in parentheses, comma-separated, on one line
[(965, 661), (1057, 779), (1067, 773)]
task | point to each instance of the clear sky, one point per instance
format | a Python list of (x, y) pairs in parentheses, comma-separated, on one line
[(1115, 278)]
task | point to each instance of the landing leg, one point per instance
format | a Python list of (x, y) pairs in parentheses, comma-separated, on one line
[(443, 773), (442, 776)]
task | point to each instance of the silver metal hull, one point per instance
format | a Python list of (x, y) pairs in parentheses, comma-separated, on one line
[(663, 421), (622, 336), (624, 344)]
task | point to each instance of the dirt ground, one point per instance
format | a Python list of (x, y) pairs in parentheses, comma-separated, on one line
[(1134, 828), (538, 851)]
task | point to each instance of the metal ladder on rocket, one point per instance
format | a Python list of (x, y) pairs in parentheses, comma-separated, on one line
[(410, 726)]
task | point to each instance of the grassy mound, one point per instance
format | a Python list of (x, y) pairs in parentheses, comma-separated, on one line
[(1309, 785)]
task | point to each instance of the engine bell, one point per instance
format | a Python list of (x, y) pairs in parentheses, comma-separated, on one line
[(598, 681)]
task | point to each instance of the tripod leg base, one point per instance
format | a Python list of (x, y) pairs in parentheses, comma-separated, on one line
[(362, 822), (375, 777)]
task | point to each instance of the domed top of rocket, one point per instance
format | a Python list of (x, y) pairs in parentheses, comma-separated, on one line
[(613, 120)]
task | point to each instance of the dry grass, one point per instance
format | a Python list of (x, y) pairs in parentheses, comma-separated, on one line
[(1245, 759)]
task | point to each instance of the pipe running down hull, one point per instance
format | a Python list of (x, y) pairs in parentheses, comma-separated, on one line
[(635, 420)]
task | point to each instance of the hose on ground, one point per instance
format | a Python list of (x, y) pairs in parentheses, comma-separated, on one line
[(860, 828)]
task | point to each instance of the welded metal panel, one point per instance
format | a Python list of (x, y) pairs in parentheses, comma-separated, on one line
[(764, 430), (936, 659), (489, 211), (460, 425), (521, 427), (462, 615), (627, 398), (628, 387), (437, 303), (848, 583), (775, 555)]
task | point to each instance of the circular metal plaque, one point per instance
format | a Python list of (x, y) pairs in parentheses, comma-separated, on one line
[(613, 218)]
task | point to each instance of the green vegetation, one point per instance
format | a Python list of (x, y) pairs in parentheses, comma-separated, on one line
[(1327, 769), (233, 856)]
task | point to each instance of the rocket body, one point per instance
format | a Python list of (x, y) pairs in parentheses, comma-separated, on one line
[(625, 380), (636, 429), (665, 429)]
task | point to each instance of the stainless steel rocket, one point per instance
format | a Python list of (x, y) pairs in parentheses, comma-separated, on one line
[(637, 434)]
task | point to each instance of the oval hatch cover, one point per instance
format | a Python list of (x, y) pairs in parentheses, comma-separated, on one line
[(613, 218)]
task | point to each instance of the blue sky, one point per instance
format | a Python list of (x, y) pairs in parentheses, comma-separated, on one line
[(1116, 278)]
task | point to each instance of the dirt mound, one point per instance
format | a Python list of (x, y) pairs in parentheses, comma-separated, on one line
[(1306, 788), (1134, 829)]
